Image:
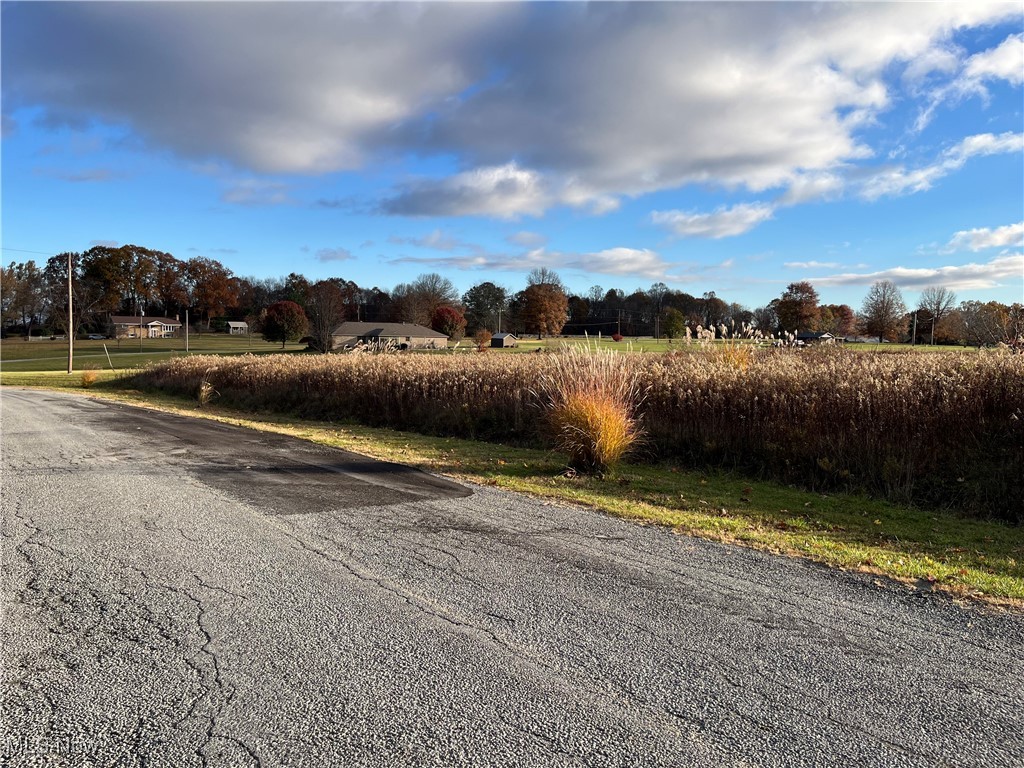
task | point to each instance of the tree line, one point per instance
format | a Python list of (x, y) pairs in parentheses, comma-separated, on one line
[(133, 280)]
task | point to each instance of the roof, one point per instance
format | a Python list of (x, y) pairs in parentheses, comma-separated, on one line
[(237, 324), (387, 330), (143, 320), (504, 336), (825, 335)]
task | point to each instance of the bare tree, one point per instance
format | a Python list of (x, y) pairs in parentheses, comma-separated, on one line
[(545, 276), (416, 302), (938, 301), (325, 308), (883, 313)]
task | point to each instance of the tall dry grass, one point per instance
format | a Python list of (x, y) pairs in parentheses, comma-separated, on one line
[(591, 397), (934, 429)]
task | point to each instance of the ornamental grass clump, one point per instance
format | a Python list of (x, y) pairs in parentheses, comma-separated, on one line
[(89, 376), (591, 397)]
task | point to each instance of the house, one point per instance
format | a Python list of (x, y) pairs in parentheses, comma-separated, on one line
[(504, 340), (401, 335), (238, 328), (816, 338), (134, 326)]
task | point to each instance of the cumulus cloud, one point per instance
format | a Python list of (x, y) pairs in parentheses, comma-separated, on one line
[(899, 180), (505, 191), (723, 222), (622, 261), (982, 238), (104, 243), (530, 97), (998, 271), (818, 186), (1005, 62), (333, 254)]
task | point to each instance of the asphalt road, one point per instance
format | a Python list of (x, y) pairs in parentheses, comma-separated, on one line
[(180, 593)]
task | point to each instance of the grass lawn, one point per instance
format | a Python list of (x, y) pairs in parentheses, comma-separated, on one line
[(18, 355), (923, 548)]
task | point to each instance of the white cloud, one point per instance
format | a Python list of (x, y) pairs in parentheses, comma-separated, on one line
[(622, 261), (618, 261), (1005, 62), (812, 264), (527, 239), (505, 191), (599, 100), (978, 239), (723, 222), (333, 254), (807, 187), (254, 192), (436, 240), (900, 181), (998, 271)]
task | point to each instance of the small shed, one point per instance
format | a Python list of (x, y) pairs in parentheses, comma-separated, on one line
[(504, 340), (237, 328)]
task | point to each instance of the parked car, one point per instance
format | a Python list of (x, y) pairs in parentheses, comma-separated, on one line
[(96, 337)]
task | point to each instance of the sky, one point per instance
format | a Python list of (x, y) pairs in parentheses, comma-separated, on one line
[(726, 147)]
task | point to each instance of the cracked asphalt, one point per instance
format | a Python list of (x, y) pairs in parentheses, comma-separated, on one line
[(182, 593)]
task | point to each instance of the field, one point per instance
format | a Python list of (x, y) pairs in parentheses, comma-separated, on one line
[(19, 355)]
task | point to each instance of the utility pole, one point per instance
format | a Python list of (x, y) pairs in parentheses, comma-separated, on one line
[(499, 319), (71, 323), (913, 339), (618, 327), (186, 331)]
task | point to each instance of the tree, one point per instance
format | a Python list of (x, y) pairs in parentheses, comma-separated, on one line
[(417, 301), (24, 294), (989, 322), (296, 288), (837, 319), (673, 323), (484, 304), (545, 309), (714, 311), (210, 286), (88, 293), (938, 301), (284, 321), (766, 320), (325, 305), (169, 287), (544, 276), (798, 307), (883, 313), (450, 322)]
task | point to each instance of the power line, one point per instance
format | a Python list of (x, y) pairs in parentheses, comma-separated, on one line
[(22, 250)]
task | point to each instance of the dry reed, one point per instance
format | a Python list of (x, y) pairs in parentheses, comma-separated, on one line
[(936, 429)]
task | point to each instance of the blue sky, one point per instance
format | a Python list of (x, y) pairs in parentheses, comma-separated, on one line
[(727, 147)]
